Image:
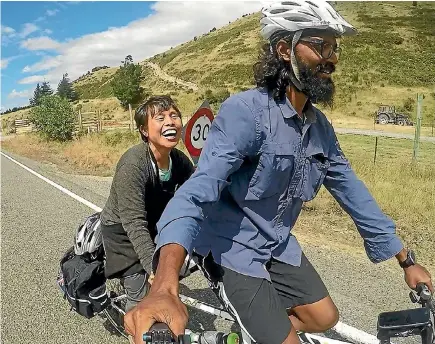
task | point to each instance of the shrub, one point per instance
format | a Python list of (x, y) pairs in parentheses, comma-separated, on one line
[(54, 118)]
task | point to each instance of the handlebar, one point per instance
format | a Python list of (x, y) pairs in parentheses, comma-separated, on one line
[(425, 297), (160, 333), (423, 292)]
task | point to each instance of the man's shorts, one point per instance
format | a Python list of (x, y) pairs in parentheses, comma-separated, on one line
[(260, 306)]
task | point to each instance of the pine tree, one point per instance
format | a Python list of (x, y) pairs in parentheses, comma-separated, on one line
[(46, 89), (65, 89), (126, 82), (36, 100)]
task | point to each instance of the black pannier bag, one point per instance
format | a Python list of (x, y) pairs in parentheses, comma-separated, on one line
[(81, 279)]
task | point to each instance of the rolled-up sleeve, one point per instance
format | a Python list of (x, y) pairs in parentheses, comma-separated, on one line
[(233, 135), (377, 229)]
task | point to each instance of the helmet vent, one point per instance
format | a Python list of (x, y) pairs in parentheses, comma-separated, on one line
[(278, 11), (332, 14), (289, 3), (300, 19), (312, 4), (315, 16)]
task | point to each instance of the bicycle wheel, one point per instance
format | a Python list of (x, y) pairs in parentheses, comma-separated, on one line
[(115, 312)]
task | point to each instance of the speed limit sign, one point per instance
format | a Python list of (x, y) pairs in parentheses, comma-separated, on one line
[(196, 130)]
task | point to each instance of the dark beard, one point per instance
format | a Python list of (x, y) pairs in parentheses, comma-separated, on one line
[(319, 90)]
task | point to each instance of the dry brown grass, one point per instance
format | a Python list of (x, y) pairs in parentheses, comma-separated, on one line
[(94, 154)]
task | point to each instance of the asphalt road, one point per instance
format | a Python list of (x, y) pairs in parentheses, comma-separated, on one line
[(38, 224)]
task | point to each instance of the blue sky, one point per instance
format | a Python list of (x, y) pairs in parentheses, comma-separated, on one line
[(42, 40)]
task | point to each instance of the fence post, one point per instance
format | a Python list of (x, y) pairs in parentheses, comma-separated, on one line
[(131, 117), (80, 120), (418, 126), (376, 150), (99, 120)]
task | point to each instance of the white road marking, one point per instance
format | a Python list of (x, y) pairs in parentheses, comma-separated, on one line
[(57, 186)]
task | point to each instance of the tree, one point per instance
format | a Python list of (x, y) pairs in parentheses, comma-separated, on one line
[(36, 96), (65, 89), (54, 118), (126, 82), (46, 89)]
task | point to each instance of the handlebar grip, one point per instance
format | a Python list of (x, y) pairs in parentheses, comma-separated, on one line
[(158, 333), (423, 291)]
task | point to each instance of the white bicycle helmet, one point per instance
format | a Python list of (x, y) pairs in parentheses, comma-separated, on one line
[(297, 15), (88, 236)]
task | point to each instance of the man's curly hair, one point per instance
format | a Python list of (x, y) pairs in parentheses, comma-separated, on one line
[(271, 71)]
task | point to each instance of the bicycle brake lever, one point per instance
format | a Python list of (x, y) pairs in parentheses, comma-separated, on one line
[(423, 292), (413, 297)]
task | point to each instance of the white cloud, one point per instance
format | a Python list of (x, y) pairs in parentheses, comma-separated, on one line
[(51, 13), (142, 38), (4, 63), (39, 19), (28, 28), (20, 94), (34, 79), (48, 31), (40, 43), (6, 30), (46, 63), (7, 34)]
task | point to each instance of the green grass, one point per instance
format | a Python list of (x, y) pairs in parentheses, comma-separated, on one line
[(405, 191), (95, 89)]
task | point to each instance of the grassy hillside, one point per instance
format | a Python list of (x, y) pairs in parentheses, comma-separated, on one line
[(388, 62)]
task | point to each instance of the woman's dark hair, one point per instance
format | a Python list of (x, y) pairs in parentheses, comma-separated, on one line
[(153, 106), (271, 71)]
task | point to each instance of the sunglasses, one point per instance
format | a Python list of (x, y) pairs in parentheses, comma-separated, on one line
[(326, 48)]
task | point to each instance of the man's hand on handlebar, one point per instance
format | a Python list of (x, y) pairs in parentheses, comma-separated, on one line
[(162, 304), (418, 274), (158, 306)]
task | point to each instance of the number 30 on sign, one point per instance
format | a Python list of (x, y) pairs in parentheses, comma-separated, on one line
[(196, 130)]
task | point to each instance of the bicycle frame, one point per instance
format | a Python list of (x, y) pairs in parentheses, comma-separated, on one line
[(305, 338), (391, 327)]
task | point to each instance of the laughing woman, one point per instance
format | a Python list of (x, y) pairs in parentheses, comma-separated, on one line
[(146, 178)]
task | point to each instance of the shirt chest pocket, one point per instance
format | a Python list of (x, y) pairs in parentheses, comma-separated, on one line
[(273, 171), (315, 169)]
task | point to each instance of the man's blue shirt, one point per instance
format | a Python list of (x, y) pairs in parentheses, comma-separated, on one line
[(259, 164)]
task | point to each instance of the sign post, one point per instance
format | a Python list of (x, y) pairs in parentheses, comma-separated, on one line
[(196, 130)]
